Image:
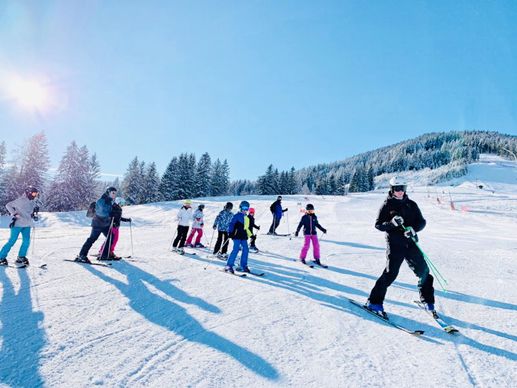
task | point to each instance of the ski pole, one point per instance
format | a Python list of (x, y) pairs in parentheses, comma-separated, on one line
[(211, 239), (109, 237), (131, 236), (288, 230), (214, 255), (439, 277), (172, 240)]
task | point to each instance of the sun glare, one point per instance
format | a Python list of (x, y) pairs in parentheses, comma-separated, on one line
[(28, 93)]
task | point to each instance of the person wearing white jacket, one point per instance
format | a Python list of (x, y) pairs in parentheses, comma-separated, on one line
[(23, 210), (184, 218), (197, 227)]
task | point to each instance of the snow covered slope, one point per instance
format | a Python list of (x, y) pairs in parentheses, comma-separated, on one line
[(169, 320)]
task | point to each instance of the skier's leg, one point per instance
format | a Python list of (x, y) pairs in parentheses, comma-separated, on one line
[(277, 222), (94, 235), (394, 260), (417, 263), (26, 240), (226, 241), (184, 231), (218, 242), (116, 232), (315, 246), (305, 248), (233, 254), (199, 235), (178, 237), (191, 236), (15, 232), (245, 254)]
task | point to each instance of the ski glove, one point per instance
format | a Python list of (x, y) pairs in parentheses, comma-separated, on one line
[(258, 227), (410, 232), (324, 231), (296, 234), (397, 221)]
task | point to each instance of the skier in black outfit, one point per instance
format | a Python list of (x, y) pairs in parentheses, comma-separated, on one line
[(253, 238), (397, 212), (277, 212)]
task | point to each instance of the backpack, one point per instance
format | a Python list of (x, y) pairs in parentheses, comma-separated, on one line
[(91, 210)]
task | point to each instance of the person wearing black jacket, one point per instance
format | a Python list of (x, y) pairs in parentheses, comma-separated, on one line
[(400, 218), (116, 214), (310, 222), (253, 238), (277, 212)]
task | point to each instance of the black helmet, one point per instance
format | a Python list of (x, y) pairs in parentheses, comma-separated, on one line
[(228, 206), (110, 189), (309, 206), (31, 192), (201, 207)]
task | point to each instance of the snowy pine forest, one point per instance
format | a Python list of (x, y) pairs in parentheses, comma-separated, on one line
[(76, 182)]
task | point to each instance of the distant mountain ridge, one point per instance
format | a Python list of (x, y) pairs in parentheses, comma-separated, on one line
[(449, 152)]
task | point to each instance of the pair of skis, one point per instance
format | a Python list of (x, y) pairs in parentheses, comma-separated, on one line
[(445, 326)]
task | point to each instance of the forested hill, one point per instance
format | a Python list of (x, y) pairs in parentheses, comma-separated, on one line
[(451, 151)]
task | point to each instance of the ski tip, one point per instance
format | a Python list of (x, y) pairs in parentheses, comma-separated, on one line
[(418, 332)]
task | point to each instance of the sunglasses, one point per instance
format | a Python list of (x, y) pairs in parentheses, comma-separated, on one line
[(399, 188)]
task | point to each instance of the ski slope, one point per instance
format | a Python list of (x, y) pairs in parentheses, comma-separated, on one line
[(168, 320)]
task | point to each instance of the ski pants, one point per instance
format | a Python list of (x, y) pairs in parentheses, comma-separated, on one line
[(112, 243), (181, 236), (198, 238), (253, 238), (396, 255), (315, 246), (94, 235), (222, 238), (26, 240), (274, 224), (237, 244)]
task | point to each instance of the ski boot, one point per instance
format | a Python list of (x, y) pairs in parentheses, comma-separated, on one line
[(199, 245), (22, 261), (3, 261), (189, 245), (181, 251), (82, 259), (229, 269), (377, 309), (113, 256)]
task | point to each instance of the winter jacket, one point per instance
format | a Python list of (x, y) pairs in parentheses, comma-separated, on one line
[(252, 223), (222, 221), (405, 208), (103, 207), (198, 219), (276, 209), (310, 223), (116, 213), (23, 207), (239, 227), (184, 216)]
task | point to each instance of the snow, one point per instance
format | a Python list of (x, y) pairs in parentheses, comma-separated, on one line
[(165, 320)]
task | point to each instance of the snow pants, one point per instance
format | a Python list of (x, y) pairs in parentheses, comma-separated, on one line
[(222, 238), (181, 236), (198, 238), (274, 224), (315, 246), (237, 244), (94, 235), (111, 241), (395, 256), (26, 240)]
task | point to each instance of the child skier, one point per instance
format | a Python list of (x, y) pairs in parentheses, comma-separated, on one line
[(184, 217), (251, 216), (309, 221), (23, 212), (116, 214), (197, 227), (222, 223), (239, 232), (400, 218)]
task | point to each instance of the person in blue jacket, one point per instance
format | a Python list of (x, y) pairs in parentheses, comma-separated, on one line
[(101, 223), (239, 232), (277, 212)]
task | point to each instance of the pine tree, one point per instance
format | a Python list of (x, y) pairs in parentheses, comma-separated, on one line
[(151, 192), (34, 163), (202, 176), (186, 171), (169, 183), (133, 182), (216, 183)]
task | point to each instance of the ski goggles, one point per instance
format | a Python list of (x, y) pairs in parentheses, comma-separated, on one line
[(244, 209), (399, 188)]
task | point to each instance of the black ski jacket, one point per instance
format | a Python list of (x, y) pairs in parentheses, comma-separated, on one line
[(405, 208), (310, 223)]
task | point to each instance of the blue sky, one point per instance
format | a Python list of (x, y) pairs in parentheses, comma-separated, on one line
[(293, 83)]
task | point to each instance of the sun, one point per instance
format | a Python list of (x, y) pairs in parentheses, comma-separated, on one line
[(28, 93)]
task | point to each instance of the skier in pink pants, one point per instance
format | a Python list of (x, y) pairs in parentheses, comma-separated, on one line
[(197, 227), (310, 222)]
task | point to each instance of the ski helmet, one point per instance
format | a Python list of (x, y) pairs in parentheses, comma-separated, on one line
[(252, 211), (309, 206), (279, 198), (187, 202), (244, 205), (201, 207), (31, 192), (228, 206), (110, 189), (398, 184)]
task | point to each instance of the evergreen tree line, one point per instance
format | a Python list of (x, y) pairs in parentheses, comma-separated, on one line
[(183, 178)]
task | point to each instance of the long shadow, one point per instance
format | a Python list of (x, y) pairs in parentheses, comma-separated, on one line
[(175, 318), (353, 245), (23, 338), (315, 287)]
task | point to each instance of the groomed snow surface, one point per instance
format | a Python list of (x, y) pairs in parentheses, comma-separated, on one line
[(166, 320)]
